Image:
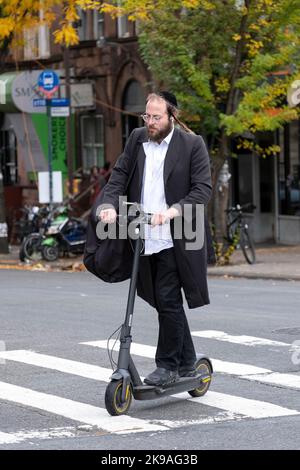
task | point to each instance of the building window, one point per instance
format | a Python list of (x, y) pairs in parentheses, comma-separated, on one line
[(98, 24), (36, 41), (8, 157), (83, 26), (289, 169), (123, 26), (92, 141), (134, 102), (90, 25)]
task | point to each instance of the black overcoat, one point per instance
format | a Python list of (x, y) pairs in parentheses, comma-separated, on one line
[(187, 180)]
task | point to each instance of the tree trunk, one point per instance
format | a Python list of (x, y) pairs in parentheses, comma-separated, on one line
[(219, 200)]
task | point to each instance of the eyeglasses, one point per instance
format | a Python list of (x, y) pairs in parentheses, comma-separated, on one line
[(148, 117)]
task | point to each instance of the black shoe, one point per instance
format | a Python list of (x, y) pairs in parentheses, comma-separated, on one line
[(161, 376), (188, 371)]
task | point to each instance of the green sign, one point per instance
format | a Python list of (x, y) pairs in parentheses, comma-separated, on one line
[(59, 140)]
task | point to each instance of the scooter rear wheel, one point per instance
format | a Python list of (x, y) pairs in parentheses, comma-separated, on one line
[(50, 252), (113, 402), (203, 367)]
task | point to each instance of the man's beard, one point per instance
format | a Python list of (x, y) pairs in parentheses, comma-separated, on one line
[(160, 134)]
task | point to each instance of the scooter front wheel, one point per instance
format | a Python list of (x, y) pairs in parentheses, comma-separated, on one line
[(113, 402), (204, 368)]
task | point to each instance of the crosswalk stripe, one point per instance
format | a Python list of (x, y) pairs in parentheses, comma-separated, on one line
[(238, 339), (75, 410), (24, 435), (245, 371), (102, 374), (66, 366), (6, 438), (248, 407)]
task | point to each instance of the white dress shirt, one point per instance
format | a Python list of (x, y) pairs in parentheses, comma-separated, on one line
[(157, 238)]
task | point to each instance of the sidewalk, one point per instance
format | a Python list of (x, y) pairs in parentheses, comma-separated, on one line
[(272, 262), (11, 261)]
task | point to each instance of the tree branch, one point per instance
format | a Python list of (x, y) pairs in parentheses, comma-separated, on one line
[(238, 60)]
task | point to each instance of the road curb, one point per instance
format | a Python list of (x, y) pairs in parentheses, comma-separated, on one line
[(73, 267), (271, 277)]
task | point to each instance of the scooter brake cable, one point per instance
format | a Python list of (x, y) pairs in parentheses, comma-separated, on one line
[(110, 352)]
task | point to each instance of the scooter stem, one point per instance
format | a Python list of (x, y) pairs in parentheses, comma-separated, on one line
[(125, 338)]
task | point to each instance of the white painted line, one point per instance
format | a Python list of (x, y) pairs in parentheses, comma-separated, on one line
[(71, 431), (67, 366), (277, 378), (6, 438), (138, 349), (21, 436), (102, 374), (251, 408), (220, 417), (243, 339), (246, 371), (75, 410), (219, 366)]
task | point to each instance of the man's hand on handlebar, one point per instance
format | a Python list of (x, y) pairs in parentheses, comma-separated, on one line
[(161, 218), (108, 216)]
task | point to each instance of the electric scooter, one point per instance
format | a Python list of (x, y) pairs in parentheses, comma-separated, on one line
[(125, 381)]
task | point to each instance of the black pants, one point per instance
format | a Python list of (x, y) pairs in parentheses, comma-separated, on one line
[(175, 345)]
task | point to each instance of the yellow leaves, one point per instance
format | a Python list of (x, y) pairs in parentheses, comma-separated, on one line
[(71, 14), (222, 85), (112, 10), (262, 22), (205, 4), (236, 37), (254, 27), (67, 35), (6, 27), (254, 47), (49, 17), (253, 146), (88, 4)]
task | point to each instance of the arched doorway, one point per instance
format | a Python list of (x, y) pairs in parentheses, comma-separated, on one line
[(133, 101)]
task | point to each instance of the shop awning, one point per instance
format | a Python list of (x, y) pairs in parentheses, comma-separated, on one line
[(6, 102)]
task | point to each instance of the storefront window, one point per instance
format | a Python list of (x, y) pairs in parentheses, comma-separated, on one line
[(241, 169), (289, 169)]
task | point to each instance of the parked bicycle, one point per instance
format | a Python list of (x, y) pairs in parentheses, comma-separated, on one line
[(238, 231)]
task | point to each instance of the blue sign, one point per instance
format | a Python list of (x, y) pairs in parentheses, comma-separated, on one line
[(48, 82), (60, 102), (38, 102)]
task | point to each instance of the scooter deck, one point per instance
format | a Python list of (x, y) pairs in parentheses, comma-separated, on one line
[(184, 384)]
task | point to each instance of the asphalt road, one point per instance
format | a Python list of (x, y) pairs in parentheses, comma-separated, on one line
[(52, 385)]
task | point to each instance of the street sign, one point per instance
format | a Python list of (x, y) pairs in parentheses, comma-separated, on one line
[(38, 102), (43, 186), (48, 82), (60, 102), (60, 111)]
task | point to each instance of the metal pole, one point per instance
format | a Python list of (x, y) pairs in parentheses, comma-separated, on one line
[(50, 152), (3, 224), (68, 120)]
